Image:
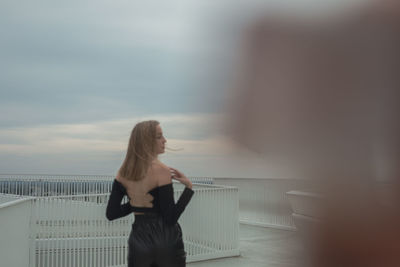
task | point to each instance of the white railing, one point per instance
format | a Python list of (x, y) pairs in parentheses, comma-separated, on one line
[(73, 230), (31, 185), (80, 177), (261, 201), (211, 224), (56, 185)]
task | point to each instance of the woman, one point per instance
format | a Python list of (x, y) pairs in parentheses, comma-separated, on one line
[(156, 236)]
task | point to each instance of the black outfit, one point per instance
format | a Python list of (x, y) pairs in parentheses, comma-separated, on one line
[(156, 236)]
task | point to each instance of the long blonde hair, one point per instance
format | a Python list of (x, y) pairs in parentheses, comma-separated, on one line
[(141, 151)]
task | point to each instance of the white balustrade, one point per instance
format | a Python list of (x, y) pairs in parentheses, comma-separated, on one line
[(72, 230), (262, 202), (71, 227)]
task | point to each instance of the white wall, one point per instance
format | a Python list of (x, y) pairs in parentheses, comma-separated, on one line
[(14, 231)]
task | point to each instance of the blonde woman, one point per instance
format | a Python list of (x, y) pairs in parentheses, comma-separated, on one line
[(156, 236)]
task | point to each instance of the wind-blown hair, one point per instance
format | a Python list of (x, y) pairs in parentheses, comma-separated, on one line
[(141, 151)]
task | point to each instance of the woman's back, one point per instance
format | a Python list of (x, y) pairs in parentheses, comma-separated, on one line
[(139, 192), (153, 194)]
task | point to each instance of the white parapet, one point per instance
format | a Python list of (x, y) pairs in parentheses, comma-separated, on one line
[(15, 214)]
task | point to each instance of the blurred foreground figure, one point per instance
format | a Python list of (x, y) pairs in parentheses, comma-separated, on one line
[(321, 98)]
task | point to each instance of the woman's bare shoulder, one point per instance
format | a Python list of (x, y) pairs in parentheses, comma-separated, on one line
[(118, 177), (159, 166), (161, 173)]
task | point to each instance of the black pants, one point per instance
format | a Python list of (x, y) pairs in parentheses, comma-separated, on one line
[(152, 243)]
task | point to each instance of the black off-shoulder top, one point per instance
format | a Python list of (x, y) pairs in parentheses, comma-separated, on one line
[(163, 202)]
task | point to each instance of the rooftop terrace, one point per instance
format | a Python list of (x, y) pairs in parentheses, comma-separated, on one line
[(262, 247)]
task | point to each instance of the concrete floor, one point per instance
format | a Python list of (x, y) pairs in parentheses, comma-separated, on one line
[(262, 247)]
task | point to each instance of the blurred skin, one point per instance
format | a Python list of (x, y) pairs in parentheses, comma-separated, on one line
[(323, 97)]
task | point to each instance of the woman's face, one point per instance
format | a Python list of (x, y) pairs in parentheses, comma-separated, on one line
[(160, 140)]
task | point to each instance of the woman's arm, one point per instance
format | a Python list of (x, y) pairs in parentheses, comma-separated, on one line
[(169, 210), (115, 209)]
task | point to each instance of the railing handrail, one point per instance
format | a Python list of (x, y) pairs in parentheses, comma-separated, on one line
[(190, 177), (213, 187), (17, 199)]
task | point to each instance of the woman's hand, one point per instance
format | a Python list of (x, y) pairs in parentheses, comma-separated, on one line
[(177, 175)]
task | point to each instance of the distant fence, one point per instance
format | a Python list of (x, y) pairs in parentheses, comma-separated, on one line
[(57, 185)]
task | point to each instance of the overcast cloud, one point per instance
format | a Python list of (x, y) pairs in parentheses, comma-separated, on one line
[(77, 75)]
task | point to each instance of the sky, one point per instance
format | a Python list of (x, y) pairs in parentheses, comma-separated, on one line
[(76, 76)]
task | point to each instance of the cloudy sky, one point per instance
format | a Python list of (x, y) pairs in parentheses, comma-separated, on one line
[(77, 75)]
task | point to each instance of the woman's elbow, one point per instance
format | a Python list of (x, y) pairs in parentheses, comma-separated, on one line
[(110, 216)]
